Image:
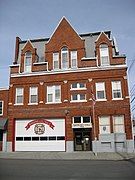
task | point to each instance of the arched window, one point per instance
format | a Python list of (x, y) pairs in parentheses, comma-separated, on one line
[(28, 62), (104, 55), (64, 58)]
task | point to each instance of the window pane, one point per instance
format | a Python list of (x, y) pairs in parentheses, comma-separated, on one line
[(74, 85), (0, 107), (56, 60), (50, 98), (64, 56), (19, 99), (100, 95), (77, 119), (82, 85), (74, 59), (104, 54), (82, 96), (74, 97), (116, 89), (28, 62), (86, 119), (57, 93), (33, 94), (33, 98), (19, 95)]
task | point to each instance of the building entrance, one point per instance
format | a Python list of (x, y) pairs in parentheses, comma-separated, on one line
[(82, 139)]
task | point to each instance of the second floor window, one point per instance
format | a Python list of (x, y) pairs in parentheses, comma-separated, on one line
[(73, 59), (1, 108), (75, 86), (104, 55), (64, 58), (28, 62), (33, 95), (116, 90), (78, 97), (100, 91), (55, 61), (54, 94), (19, 96)]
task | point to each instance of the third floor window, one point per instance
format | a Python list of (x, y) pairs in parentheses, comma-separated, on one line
[(28, 62), (104, 55), (55, 61), (64, 58)]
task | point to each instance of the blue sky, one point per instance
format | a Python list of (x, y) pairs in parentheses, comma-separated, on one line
[(30, 19)]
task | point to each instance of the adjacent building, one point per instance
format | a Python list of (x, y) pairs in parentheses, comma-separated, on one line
[(69, 93)]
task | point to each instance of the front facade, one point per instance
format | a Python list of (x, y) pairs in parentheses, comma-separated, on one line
[(69, 93)]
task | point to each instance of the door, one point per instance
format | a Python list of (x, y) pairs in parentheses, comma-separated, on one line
[(82, 140)]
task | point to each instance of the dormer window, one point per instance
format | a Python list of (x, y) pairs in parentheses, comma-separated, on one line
[(28, 62), (104, 55), (64, 58)]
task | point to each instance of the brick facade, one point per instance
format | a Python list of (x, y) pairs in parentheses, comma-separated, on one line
[(89, 72)]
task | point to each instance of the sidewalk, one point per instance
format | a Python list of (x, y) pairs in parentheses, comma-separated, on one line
[(66, 155)]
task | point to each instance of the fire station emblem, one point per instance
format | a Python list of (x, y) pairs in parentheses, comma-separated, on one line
[(39, 129)]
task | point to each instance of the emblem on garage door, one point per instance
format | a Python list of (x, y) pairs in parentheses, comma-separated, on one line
[(39, 129)]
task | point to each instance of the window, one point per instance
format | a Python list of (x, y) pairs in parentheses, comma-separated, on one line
[(78, 86), (55, 61), (1, 108), (54, 94), (28, 62), (78, 97), (33, 95), (19, 96), (104, 124), (100, 91), (81, 119), (64, 58), (116, 90), (73, 59), (104, 55), (118, 124)]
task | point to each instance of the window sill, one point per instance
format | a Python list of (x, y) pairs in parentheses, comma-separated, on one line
[(117, 99), (32, 103), (76, 89), (53, 102), (18, 104), (78, 101), (1, 114), (101, 100)]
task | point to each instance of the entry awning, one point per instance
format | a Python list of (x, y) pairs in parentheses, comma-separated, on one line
[(3, 123)]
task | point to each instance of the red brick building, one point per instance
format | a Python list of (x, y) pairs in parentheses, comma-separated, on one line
[(69, 93)]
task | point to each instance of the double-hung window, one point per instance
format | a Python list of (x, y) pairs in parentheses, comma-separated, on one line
[(19, 96), (73, 59), (104, 124), (100, 91), (78, 97), (104, 55), (28, 62), (1, 108), (116, 90), (55, 61), (76, 86), (64, 58), (33, 95), (54, 94), (118, 124)]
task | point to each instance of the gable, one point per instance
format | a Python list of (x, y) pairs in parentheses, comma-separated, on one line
[(64, 35)]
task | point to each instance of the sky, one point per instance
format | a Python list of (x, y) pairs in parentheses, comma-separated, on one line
[(31, 19)]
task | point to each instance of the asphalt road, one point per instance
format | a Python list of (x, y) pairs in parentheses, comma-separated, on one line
[(15, 169)]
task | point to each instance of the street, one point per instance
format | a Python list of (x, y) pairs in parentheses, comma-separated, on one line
[(17, 169)]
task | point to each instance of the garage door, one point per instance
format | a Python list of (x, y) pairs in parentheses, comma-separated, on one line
[(40, 135)]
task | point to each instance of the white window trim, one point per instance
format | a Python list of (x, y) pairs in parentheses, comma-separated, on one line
[(78, 98), (16, 104), (121, 98), (2, 107), (103, 99), (54, 102), (55, 69), (35, 103)]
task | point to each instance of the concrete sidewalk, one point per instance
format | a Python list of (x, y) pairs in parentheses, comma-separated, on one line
[(66, 156)]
